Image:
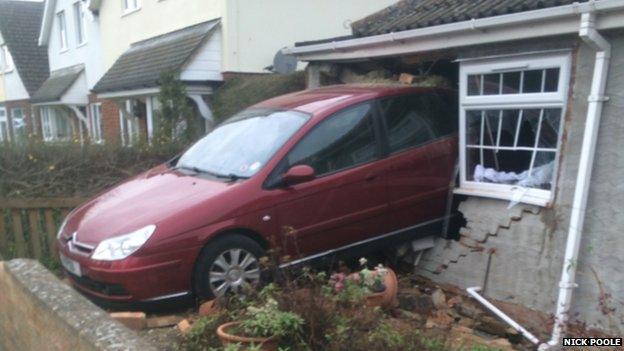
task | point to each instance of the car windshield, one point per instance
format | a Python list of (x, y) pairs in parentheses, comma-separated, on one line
[(241, 146)]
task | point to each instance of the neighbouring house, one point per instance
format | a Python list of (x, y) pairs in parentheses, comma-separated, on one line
[(68, 110), (23, 68), (204, 42), (540, 89)]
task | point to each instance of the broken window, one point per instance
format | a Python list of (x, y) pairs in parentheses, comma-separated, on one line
[(511, 118)]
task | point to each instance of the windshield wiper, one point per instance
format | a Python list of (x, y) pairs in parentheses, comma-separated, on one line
[(230, 176), (193, 169)]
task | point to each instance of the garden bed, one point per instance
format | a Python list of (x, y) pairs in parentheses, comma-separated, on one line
[(425, 317)]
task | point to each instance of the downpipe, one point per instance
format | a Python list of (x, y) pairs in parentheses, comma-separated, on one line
[(474, 292), (590, 36)]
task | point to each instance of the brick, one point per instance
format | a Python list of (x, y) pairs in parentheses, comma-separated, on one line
[(184, 326), (209, 307), (163, 321), (132, 320), (406, 78)]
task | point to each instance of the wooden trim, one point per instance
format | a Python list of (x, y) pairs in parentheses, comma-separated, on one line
[(69, 203)]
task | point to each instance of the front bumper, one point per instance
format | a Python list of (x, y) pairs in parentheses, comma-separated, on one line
[(134, 279)]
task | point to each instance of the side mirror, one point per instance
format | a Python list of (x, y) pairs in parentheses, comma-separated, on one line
[(298, 174)]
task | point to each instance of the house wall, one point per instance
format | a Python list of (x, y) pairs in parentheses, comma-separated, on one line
[(11, 86), (256, 30), (154, 18), (89, 54), (527, 243)]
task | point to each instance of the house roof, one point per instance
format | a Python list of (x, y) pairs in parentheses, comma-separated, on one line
[(413, 14), (141, 65), (19, 25), (57, 84)]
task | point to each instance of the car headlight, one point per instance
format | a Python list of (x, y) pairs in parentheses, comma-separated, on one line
[(61, 229), (120, 247)]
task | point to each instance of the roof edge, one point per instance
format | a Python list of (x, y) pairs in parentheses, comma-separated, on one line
[(345, 49), (46, 22)]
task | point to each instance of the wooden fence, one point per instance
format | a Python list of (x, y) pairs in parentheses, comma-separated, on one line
[(28, 227)]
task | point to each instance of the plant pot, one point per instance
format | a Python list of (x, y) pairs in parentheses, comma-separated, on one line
[(386, 298), (266, 344)]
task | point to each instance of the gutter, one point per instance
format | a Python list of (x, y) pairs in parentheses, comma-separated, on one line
[(419, 38), (596, 99)]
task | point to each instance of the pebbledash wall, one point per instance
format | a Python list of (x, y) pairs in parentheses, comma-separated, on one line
[(527, 243)]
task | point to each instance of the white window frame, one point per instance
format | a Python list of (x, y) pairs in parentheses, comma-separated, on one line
[(4, 123), (47, 124), (130, 6), (79, 10), (129, 126), (540, 100), (95, 123), (7, 60), (62, 27)]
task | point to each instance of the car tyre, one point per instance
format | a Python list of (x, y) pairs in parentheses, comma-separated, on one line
[(228, 264)]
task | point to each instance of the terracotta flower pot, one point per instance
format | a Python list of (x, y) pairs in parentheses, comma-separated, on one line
[(266, 344), (386, 298)]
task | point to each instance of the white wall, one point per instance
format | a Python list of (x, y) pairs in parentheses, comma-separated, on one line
[(154, 18), (256, 30), (206, 63), (89, 54), (11, 85)]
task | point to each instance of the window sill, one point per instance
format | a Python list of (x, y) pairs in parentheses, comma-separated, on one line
[(82, 44), (542, 198), (129, 12), (64, 51)]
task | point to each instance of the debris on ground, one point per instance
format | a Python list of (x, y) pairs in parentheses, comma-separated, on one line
[(132, 320)]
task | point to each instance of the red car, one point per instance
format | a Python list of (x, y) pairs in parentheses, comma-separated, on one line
[(314, 172)]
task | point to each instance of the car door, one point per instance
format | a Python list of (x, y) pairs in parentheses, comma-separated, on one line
[(345, 201), (421, 147)]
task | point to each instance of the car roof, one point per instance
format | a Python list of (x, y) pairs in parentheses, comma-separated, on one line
[(317, 100)]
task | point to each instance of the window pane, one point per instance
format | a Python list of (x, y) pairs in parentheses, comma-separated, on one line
[(491, 84), (549, 132), (542, 173), (473, 127), (508, 127), (552, 80), (511, 83), (528, 128), (474, 84), (532, 81), (342, 141), (490, 130), (406, 122)]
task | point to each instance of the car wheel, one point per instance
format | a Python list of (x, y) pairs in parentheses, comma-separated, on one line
[(229, 264)]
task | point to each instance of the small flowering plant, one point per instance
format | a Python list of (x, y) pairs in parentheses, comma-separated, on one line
[(367, 280)]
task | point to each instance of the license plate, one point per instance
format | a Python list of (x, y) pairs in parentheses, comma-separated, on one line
[(72, 266)]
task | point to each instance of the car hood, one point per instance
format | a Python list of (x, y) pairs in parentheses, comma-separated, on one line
[(150, 198)]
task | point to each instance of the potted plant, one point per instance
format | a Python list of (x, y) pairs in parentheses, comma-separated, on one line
[(261, 327), (379, 285)]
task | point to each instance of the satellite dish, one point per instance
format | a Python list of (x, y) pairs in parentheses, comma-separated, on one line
[(284, 64)]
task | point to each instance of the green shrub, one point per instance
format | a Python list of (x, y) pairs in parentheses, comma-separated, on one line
[(240, 92), (69, 170)]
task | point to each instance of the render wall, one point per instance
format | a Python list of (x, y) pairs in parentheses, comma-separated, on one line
[(39, 312), (527, 243)]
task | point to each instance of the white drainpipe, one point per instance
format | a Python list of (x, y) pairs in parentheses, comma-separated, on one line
[(596, 98)]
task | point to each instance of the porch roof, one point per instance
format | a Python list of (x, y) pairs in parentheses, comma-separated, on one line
[(141, 65), (57, 84)]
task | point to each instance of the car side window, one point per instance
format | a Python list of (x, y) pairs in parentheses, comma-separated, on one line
[(413, 120), (341, 141)]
